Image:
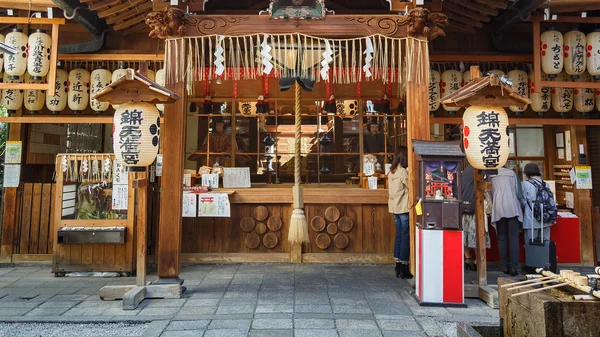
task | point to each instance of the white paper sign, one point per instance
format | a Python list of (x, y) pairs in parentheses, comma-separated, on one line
[(568, 145), (560, 139), (152, 177), (12, 153), (569, 200), (236, 177), (388, 168), (190, 205), (187, 179), (573, 176), (12, 175), (369, 169), (561, 154), (210, 180), (372, 183), (119, 197), (119, 174), (159, 163), (214, 205)]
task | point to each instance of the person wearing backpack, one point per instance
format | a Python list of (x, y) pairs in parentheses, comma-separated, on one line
[(536, 192)]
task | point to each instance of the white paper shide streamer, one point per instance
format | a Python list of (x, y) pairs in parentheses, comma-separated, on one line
[(219, 58), (265, 51), (327, 58), (369, 57)]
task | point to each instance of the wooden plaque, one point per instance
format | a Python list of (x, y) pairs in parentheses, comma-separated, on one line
[(270, 240), (252, 241), (323, 241), (318, 224), (274, 223), (341, 241), (261, 228), (247, 224), (345, 224), (332, 228), (332, 214), (261, 213)]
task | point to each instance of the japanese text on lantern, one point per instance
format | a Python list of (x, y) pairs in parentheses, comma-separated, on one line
[(578, 54), (433, 93), (11, 57), (9, 96), (130, 136), (588, 101), (78, 88), (556, 49), (489, 138), (54, 100), (566, 99), (96, 88), (38, 54), (545, 99)]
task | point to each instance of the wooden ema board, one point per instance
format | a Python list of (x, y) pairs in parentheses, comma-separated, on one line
[(33, 231)]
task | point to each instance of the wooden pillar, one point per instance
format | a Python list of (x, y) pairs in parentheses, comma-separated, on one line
[(417, 118), (480, 185), (169, 229), (140, 183)]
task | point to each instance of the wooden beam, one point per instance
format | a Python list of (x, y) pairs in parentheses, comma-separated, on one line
[(537, 62), (130, 22), (476, 7), (24, 86), (48, 119), (571, 19), (141, 226), (36, 5), (456, 20), (31, 21), (111, 57), (462, 27), (500, 4), (126, 15), (465, 12), (119, 8), (526, 121), (480, 58), (53, 57), (480, 186), (135, 29), (575, 8), (103, 4)]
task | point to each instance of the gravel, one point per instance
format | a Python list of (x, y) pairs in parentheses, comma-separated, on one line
[(71, 330)]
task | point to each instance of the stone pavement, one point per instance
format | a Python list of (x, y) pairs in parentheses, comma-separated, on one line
[(243, 300)]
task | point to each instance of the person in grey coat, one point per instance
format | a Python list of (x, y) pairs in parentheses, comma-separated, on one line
[(507, 215), (530, 190)]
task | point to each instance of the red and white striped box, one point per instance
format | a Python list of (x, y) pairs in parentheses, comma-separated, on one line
[(440, 267)]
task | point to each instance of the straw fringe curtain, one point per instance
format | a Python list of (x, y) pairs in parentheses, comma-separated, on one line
[(396, 60)]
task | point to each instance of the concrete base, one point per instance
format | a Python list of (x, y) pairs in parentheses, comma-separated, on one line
[(174, 280), (133, 295)]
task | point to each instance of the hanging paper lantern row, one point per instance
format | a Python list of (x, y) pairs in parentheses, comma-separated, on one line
[(15, 65), (100, 78), (552, 54), (451, 80), (136, 132), (160, 79), (562, 98), (593, 54), (34, 99), (12, 99), (485, 137), (79, 90), (584, 98), (434, 90), (519, 85), (38, 50), (540, 102), (58, 101), (574, 54)]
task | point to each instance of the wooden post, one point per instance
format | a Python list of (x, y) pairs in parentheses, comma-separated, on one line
[(141, 186), (480, 229), (537, 68)]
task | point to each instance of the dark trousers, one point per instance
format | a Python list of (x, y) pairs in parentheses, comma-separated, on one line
[(402, 244), (508, 239)]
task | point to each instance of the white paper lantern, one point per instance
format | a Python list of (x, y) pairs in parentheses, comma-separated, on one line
[(574, 53), (100, 79), (15, 65), (451, 80), (562, 98), (434, 90), (485, 137), (160, 79), (34, 99), (12, 99), (540, 101), (79, 90), (466, 78), (38, 50), (593, 54), (58, 101), (136, 134), (519, 85), (552, 52), (1, 54), (584, 98)]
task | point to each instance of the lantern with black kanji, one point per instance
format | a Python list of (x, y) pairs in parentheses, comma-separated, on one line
[(540, 101), (519, 84), (583, 99), (434, 90), (38, 61), (551, 44), (593, 54), (574, 53), (12, 99), (485, 137), (160, 80), (451, 80), (57, 102), (15, 65), (79, 89), (136, 124), (34, 99), (100, 78), (562, 98)]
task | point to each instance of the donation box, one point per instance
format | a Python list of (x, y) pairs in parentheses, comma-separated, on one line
[(439, 235)]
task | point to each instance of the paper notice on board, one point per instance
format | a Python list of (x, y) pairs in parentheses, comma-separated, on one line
[(572, 175), (159, 164), (120, 176), (568, 145), (388, 168), (236, 177), (584, 177), (12, 175), (214, 205), (190, 205), (369, 169), (372, 183), (569, 200), (119, 197), (12, 152), (210, 180)]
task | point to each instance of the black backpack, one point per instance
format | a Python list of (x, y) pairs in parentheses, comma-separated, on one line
[(544, 197)]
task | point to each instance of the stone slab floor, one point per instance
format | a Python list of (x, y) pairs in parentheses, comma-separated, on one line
[(234, 300)]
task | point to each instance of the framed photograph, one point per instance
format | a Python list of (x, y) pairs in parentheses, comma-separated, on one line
[(560, 139)]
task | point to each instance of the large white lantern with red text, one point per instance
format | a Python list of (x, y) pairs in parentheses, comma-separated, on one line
[(136, 132), (562, 98), (519, 85), (451, 80), (540, 101), (38, 49), (434, 90), (15, 65), (57, 102), (79, 90), (552, 52), (34, 99), (584, 99), (160, 79), (99, 79), (593, 54), (12, 99), (574, 53), (485, 137)]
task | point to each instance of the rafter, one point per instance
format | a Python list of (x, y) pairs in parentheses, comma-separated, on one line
[(499, 4), (103, 4), (130, 22), (465, 12), (476, 6), (126, 15), (464, 20), (135, 29), (36, 5), (118, 8), (462, 27)]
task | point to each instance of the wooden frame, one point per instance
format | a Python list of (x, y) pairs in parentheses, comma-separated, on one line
[(526, 120), (51, 85), (111, 57)]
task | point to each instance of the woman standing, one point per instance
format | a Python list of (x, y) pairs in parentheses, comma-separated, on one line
[(398, 205), (530, 194)]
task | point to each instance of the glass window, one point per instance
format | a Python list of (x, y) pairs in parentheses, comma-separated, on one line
[(530, 142), (89, 201)]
